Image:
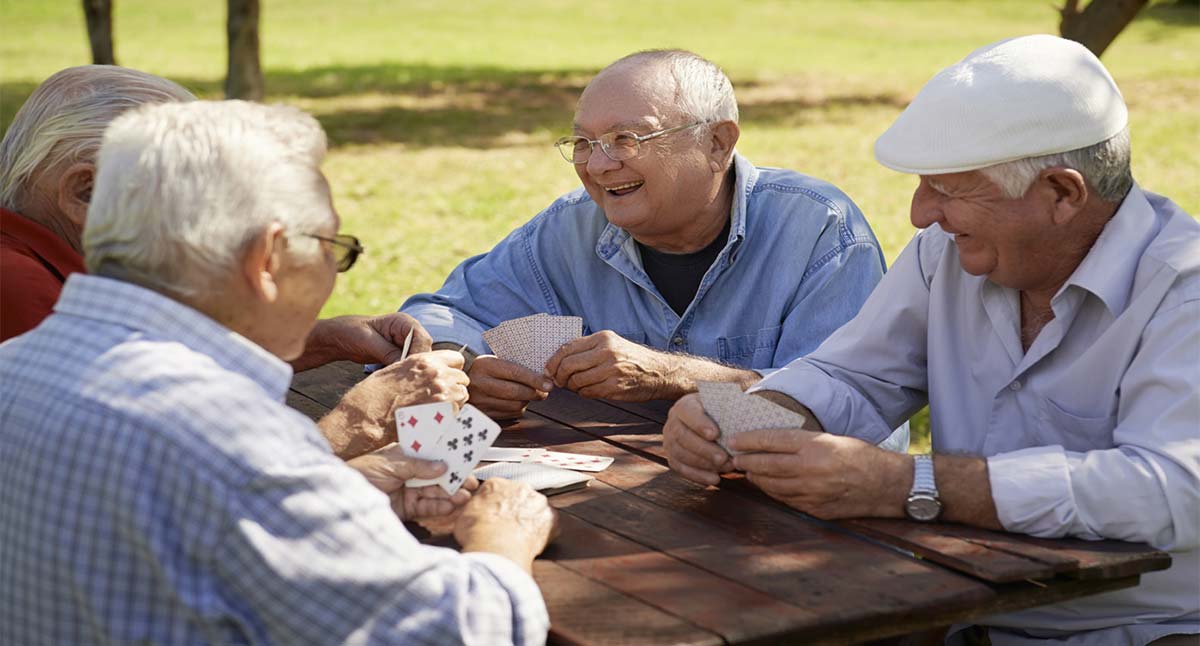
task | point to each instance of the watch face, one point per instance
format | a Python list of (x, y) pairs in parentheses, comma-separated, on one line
[(923, 507)]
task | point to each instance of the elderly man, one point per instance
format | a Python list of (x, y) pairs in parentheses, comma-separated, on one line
[(157, 490), (1049, 314), (685, 261), (47, 169)]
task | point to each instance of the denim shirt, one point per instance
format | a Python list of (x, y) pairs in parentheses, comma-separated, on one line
[(799, 262)]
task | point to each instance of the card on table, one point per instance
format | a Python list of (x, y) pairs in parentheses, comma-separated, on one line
[(574, 461), (504, 454), (530, 341), (546, 479), (434, 432), (737, 412)]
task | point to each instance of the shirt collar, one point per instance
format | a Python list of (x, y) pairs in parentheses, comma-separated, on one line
[(52, 249), (745, 176), (164, 319), (1108, 269)]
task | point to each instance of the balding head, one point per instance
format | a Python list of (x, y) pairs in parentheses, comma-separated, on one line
[(60, 127)]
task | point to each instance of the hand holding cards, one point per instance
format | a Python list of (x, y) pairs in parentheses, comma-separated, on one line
[(434, 432), (737, 412), (530, 341)]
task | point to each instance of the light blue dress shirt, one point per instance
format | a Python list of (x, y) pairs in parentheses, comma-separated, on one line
[(1094, 432), (799, 262), (154, 489)]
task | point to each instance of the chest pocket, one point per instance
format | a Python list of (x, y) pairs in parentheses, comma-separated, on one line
[(750, 350), (1074, 432)]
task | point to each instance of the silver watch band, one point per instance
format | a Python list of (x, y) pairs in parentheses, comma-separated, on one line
[(923, 475)]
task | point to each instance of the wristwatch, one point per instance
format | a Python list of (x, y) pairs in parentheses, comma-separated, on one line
[(923, 503), (467, 354)]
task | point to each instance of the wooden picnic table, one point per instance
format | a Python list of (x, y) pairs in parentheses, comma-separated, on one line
[(647, 557)]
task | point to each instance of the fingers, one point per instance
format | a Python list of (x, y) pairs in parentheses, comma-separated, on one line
[(570, 367), (775, 440), (421, 341), (770, 464), (492, 366), (689, 411), (570, 348), (450, 358), (695, 475), (411, 468), (689, 451), (498, 409)]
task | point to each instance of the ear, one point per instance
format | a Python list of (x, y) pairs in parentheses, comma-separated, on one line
[(724, 137), (1070, 191), (261, 262), (75, 192)]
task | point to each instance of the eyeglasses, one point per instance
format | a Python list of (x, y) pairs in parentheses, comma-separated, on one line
[(346, 249), (618, 146)]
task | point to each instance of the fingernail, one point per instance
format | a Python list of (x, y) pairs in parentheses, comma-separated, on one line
[(546, 386)]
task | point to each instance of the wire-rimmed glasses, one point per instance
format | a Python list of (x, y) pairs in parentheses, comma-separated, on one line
[(618, 146), (346, 249)]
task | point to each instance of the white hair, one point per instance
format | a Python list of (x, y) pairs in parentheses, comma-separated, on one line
[(182, 188), (1105, 166), (702, 90), (62, 121)]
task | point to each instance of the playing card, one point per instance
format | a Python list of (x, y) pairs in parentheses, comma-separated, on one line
[(407, 345), (574, 461), (547, 479), (463, 445), (499, 454), (737, 412), (530, 341), (418, 430)]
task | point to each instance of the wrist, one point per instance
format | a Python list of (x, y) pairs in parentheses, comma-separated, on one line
[(896, 482)]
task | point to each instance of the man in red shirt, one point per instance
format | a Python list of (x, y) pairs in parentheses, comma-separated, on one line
[(47, 165)]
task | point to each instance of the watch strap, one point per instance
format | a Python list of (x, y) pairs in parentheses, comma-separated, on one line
[(923, 480)]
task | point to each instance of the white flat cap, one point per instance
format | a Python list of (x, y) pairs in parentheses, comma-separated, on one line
[(1018, 98)]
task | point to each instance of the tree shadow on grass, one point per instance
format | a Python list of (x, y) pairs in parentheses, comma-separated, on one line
[(468, 106)]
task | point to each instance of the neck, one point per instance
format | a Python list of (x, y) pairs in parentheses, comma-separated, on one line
[(56, 221), (705, 227)]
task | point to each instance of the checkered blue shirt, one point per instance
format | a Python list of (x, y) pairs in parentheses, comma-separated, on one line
[(155, 489)]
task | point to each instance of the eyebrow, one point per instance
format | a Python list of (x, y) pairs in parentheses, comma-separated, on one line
[(938, 186)]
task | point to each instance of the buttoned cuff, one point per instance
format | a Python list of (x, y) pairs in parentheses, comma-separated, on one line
[(1032, 491)]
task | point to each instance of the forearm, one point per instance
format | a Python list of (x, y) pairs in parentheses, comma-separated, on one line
[(352, 433), (684, 372), (965, 490), (319, 348)]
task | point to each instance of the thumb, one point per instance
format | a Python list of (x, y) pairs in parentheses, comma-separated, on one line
[(423, 469)]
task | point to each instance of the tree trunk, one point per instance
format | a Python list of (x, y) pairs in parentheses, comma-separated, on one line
[(1099, 23), (243, 79), (98, 14)]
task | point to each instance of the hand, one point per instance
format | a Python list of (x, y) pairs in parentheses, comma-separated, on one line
[(689, 438), (507, 518), (502, 389), (363, 420), (828, 476), (387, 469), (606, 366), (362, 339)]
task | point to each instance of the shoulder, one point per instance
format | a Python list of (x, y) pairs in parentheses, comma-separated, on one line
[(570, 219), (803, 200), (1176, 249)]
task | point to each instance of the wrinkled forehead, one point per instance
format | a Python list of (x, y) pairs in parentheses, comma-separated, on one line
[(632, 97)]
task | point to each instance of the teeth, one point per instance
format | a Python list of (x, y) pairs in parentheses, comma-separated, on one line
[(624, 186)]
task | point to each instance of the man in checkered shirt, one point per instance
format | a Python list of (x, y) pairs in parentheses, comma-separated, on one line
[(153, 486)]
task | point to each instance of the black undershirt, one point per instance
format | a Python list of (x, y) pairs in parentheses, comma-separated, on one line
[(677, 275)]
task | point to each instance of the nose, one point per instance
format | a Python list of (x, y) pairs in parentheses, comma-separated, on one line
[(599, 163), (926, 209)]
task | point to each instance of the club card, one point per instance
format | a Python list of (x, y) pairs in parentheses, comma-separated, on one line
[(434, 432), (573, 461), (546, 479), (502, 454)]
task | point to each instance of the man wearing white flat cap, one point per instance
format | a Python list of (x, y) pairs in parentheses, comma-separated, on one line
[(1049, 314)]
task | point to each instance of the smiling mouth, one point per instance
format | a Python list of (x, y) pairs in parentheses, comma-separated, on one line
[(623, 189)]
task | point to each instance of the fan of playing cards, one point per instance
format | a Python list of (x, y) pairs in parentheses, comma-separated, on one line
[(434, 432), (737, 412), (530, 341)]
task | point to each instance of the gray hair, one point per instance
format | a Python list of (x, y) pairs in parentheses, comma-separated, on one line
[(63, 120), (1105, 166), (702, 90), (182, 188)]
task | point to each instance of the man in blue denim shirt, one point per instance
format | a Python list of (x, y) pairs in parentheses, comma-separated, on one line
[(685, 261)]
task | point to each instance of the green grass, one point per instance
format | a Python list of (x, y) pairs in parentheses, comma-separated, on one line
[(441, 114)]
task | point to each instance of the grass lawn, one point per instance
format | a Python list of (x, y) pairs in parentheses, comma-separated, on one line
[(441, 114)]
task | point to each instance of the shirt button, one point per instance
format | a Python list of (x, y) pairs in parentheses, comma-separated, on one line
[(677, 341), (1014, 386)]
